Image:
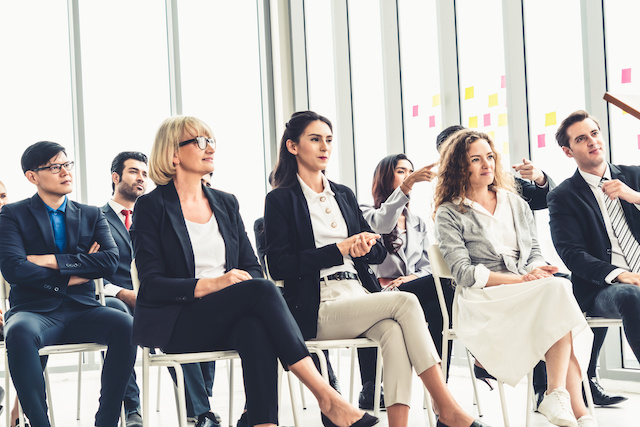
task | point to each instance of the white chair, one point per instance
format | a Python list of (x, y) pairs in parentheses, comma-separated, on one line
[(441, 270), (51, 350)]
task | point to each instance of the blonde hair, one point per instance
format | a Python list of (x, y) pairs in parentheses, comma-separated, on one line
[(169, 135), (453, 173)]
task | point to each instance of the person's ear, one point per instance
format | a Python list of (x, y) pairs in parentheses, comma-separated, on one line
[(32, 177), (292, 147), (568, 152)]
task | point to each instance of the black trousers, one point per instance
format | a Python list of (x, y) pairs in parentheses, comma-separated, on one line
[(252, 318), (425, 289)]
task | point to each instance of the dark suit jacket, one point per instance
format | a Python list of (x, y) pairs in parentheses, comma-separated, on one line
[(579, 233), (292, 255), (25, 229), (165, 260), (122, 276), (535, 196)]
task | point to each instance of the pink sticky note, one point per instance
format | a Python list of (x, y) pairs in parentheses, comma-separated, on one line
[(626, 75), (415, 111), (541, 142), (432, 121), (638, 142), (487, 119), (503, 81)]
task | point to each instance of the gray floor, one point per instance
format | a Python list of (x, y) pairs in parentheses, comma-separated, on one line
[(64, 398)]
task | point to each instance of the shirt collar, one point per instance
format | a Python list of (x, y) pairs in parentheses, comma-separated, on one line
[(594, 180), (62, 208), (501, 195), (310, 194), (117, 207)]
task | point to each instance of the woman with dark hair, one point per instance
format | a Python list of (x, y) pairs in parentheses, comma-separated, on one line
[(512, 312), (202, 287), (321, 246), (406, 265)]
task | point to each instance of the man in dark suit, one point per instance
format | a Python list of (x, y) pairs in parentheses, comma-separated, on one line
[(51, 249), (595, 226)]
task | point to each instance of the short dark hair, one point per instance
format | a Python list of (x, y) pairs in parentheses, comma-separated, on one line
[(576, 117), (445, 134), (117, 165), (39, 154)]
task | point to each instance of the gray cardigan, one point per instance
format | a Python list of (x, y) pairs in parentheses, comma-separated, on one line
[(464, 243)]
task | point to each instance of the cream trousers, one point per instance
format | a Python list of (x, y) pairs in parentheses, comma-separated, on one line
[(393, 319)]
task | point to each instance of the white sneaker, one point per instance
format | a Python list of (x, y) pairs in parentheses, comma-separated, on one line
[(587, 421), (556, 406)]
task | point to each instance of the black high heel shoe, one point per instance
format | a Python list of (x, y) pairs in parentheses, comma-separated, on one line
[(484, 376), (476, 423), (366, 421)]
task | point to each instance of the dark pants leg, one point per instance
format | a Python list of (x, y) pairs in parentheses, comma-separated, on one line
[(228, 319), (622, 301), (196, 392), (540, 377), (599, 334), (333, 380), (132, 393), (70, 323)]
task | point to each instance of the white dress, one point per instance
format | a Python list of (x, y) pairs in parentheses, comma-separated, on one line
[(509, 328)]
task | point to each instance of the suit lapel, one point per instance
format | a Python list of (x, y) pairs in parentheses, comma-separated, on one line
[(224, 224), (347, 213), (302, 217), (583, 191), (116, 223), (174, 213), (39, 212), (72, 219)]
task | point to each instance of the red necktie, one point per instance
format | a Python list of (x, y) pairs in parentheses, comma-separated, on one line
[(127, 217)]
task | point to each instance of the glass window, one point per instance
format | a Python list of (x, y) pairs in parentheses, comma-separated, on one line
[(369, 125), (554, 91), (35, 86), (420, 90), (125, 81), (222, 88), (482, 71), (623, 77), (320, 70)]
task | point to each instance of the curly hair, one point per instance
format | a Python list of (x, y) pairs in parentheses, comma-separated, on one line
[(453, 174)]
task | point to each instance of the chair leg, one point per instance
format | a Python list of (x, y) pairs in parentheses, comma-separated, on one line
[(429, 408), (587, 392), (123, 417), (7, 389), (476, 395), (158, 389), (377, 391), (231, 379), (503, 402), (294, 403), (529, 398), (79, 386), (47, 384), (303, 399), (180, 391), (145, 387), (352, 374)]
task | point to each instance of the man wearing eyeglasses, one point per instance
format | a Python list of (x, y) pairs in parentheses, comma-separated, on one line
[(51, 249)]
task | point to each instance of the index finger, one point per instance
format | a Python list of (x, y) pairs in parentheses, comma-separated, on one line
[(431, 165)]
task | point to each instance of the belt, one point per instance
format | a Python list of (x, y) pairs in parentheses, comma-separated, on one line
[(342, 275)]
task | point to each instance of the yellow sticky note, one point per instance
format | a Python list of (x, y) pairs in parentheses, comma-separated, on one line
[(550, 119), (468, 93), (502, 119), (493, 100), (624, 112), (505, 148), (473, 122), (492, 135), (436, 100)]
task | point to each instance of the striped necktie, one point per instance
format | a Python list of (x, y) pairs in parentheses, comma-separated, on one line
[(628, 243)]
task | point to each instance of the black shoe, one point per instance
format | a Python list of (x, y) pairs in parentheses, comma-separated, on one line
[(538, 396), (134, 419), (475, 423), (484, 376), (365, 401), (600, 397), (366, 421), (243, 421), (1, 399), (209, 419), (17, 424)]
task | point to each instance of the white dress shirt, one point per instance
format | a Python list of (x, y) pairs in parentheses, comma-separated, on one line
[(617, 256), (110, 289)]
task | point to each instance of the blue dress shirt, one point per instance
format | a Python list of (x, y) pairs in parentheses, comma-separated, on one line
[(57, 218)]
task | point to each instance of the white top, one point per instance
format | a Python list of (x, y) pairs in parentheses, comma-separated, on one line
[(327, 222), (208, 248), (111, 290), (617, 256), (500, 229)]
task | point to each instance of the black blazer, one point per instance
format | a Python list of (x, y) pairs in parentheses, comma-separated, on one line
[(25, 229), (122, 276), (292, 255), (165, 261), (579, 233), (535, 196)]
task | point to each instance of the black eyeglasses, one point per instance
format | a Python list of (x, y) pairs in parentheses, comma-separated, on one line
[(56, 168), (200, 141)]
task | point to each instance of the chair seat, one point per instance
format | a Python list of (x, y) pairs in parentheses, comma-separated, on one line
[(71, 348)]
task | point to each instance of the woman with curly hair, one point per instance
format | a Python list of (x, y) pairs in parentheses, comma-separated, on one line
[(512, 311)]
